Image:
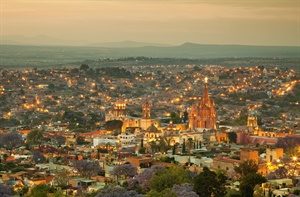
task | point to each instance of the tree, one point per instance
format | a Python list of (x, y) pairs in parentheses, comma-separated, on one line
[(62, 179), (175, 118), (247, 167), (38, 157), (183, 147), (117, 192), (87, 168), (248, 183), (11, 140), (80, 140), (113, 125), (142, 150), (163, 144), (59, 140), (209, 183), (185, 190), (165, 193), (126, 170), (190, 144), (35, 137), (233, 193), (174, 149), (84, 67), (232, 136), (142, 181), (167, 178), (40, 191), (5, 191)]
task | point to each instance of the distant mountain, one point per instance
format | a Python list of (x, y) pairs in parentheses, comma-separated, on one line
[(127, 44), (50, 55), (43, 40), (196, 51), (39, 40)]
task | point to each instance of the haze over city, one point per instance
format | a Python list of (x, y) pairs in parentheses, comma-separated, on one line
[(171, 22)]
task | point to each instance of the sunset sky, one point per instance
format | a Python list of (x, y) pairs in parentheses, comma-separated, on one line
[(254, 22)]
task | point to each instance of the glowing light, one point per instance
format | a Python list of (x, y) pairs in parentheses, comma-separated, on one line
[(205, 80)]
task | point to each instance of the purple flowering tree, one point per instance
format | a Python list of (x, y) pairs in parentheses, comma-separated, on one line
[(87, 168)]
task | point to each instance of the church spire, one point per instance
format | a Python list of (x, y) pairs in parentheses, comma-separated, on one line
[(205, 92)]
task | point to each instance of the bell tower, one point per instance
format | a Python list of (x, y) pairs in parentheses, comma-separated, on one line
[(203, 113), (146, 107)]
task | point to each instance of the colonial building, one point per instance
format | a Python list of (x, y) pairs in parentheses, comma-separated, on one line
[(146, 110), (252, 121), (203, 114), (144, 122), (118, 112)]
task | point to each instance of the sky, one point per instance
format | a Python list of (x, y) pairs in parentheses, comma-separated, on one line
[(88, 22)]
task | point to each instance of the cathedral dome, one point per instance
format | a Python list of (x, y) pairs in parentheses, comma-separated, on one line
[(152, 129)]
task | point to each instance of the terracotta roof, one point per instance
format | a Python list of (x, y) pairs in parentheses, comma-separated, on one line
[(94, 133)]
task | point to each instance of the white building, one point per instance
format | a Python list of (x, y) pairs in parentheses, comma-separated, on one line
[(127, 140), (104, 140)]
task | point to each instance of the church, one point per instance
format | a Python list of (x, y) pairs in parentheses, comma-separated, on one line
[(203, 114)]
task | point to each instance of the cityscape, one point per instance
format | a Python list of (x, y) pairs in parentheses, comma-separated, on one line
[(138, 119)]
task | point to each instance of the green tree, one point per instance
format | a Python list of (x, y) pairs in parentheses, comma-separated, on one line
[(175, 118), (247, 167), (35, 137), (190, 144), (40, 191), (62, 179), (84, 67), (183, 147), (113, 125), (169, 177), (209, 183), (248, 182), (232, 136)]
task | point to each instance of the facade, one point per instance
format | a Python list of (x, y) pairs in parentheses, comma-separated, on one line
[(203, 114), (144, 123), (247, 154), (146, 110), (132, 122), (127, 140), (104, 140), (152, 134), (118, 112), (274, 154), (252, 122)]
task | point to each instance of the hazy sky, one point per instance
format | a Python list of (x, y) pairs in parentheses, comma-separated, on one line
[(255, 22)]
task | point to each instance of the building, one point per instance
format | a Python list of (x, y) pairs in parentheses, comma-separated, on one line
[(146, 110), (252, 122), (247, 154), (274, 154), (118, 112), (152, 134), (143, 123), (203, 114), (105, 140), (127, 140), (133, 122)]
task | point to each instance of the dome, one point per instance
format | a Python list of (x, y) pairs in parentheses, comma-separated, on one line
[(152, 129)]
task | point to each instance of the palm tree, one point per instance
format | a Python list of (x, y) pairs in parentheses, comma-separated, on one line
[(190, 144)]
